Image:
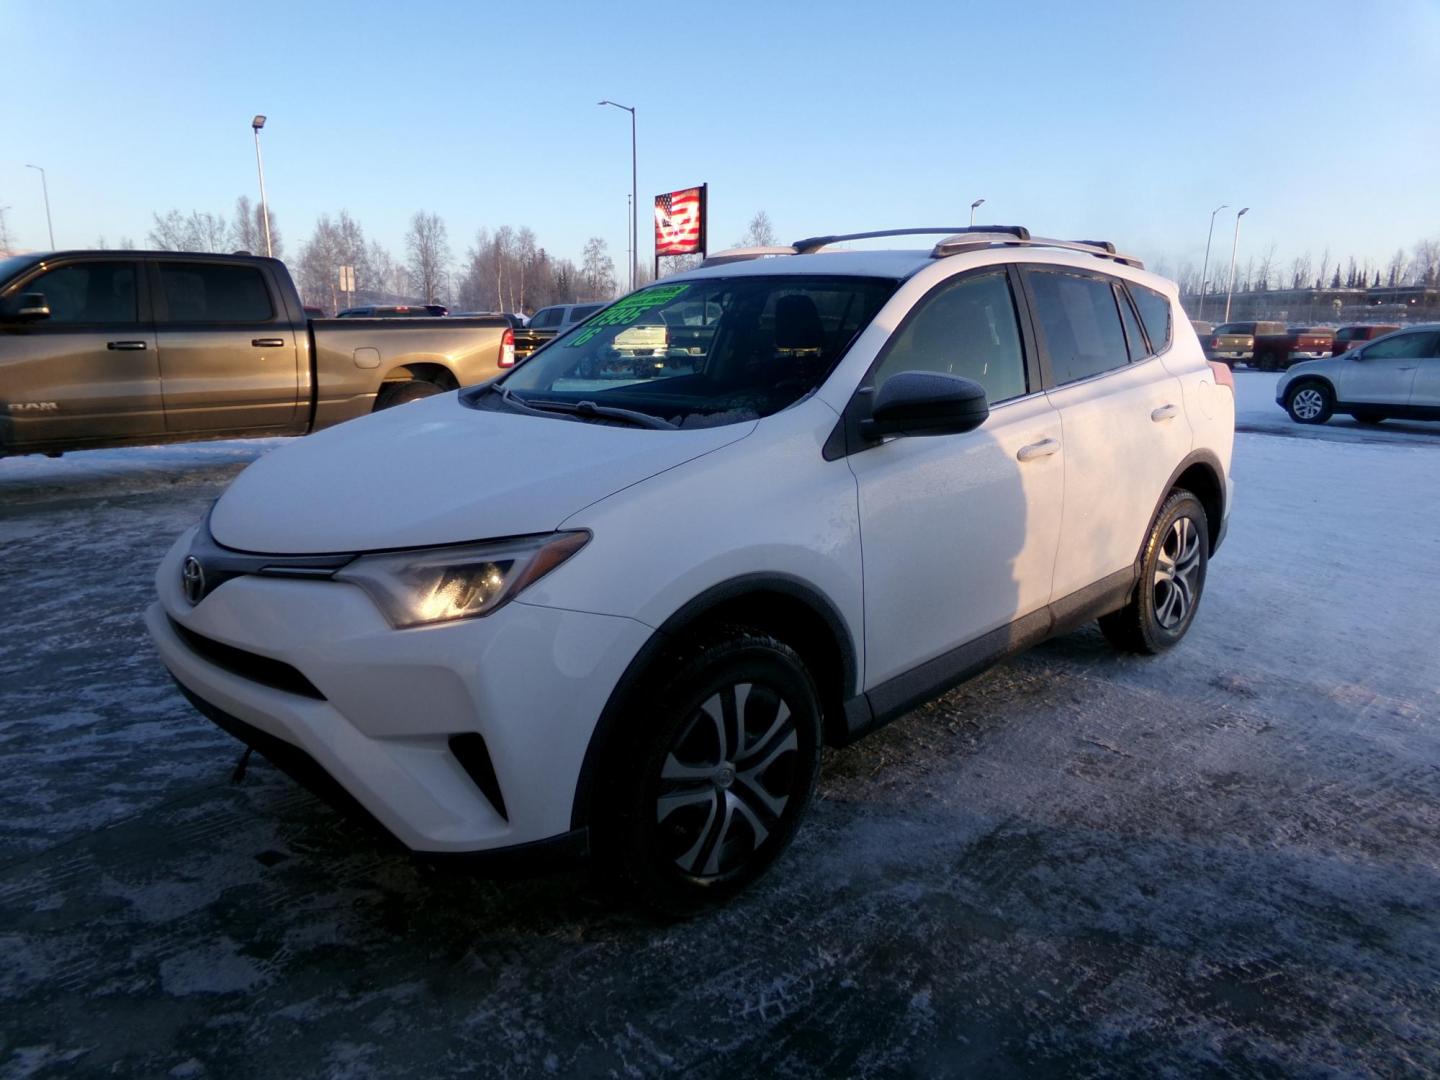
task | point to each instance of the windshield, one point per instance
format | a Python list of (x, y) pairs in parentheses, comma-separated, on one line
[(707, 352)]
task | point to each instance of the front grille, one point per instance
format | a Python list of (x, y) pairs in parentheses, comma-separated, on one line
[(261, 669)]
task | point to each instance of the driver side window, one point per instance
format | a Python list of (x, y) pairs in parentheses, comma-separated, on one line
[(98, 292), (968, 328)]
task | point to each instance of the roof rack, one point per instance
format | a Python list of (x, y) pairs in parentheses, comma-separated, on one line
[(1102, 249), (958, 239), (812, 244)]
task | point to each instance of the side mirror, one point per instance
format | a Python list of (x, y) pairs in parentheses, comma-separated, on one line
[(32, 306), (1357, 352), (926, 403)]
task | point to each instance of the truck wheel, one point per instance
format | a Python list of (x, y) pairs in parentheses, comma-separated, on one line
[(400, 393)]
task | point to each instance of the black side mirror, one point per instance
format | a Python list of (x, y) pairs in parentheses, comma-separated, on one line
[(926, 403), (32, 306)]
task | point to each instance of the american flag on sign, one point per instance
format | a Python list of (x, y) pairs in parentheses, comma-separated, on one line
[(677, 222)]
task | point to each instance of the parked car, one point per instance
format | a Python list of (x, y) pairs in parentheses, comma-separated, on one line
[(394, 311), (109, 348), (1235, 341), (1347, 337), (549, 322), (1397, 375), (634, 638), (1277, 351)]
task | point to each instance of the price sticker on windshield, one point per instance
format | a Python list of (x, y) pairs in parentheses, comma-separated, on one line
[(626, 311)]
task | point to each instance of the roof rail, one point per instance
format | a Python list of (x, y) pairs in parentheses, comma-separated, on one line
[(740, 254), (812, 244), (1101, 249)]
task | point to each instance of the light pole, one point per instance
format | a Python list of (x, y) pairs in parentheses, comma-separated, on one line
[(257, 124), (1205, 269), (973, 206), (45, 187), (634, 192), (1235, 244)]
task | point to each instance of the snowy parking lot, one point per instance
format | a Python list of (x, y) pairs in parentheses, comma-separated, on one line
[(1222, 860)]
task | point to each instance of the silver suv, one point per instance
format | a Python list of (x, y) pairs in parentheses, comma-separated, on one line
[(1395, 376)]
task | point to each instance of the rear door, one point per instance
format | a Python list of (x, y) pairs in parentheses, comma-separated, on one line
[(1383, 372), (1121, 412), (89, 371), (1425, 390), (229, 360)]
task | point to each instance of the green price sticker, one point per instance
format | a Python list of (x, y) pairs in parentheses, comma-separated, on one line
[(626, 311)]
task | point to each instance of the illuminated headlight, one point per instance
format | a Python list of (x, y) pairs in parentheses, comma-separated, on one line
[(431, 585)]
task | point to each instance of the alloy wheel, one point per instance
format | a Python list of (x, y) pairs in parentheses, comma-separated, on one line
[(1177, 570), (1308, 403), (727, 779)]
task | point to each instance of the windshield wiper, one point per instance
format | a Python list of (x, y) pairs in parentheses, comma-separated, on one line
[(586, 409), (590, 410)]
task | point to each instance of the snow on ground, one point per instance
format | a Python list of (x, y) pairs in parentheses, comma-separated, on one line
[(1224, 860)]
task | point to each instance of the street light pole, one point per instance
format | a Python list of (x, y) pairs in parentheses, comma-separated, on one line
[(634, 193), (257, 124), (973, 206), (1235, 244), (1205, 269), (45, 187)]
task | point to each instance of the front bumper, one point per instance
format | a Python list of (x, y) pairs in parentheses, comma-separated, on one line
[(383, 705)]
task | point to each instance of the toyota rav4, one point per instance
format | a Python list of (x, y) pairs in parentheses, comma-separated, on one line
[(626, 616)]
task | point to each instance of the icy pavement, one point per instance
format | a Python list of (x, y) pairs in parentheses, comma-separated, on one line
[(1225, 860)]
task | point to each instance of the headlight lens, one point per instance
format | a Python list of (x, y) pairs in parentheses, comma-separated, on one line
[(432, 585)]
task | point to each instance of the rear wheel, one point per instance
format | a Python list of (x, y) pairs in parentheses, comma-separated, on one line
[(1309, 403), (400, 393), (1177, 555), (707, 786)]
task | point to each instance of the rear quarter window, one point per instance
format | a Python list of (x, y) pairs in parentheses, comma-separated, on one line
[(1154, 308)]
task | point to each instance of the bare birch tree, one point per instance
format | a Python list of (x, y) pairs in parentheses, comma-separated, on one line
[(428, 250)]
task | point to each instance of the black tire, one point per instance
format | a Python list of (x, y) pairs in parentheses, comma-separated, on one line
[(1172, 580), (1367, 417), (401, 393), (681, 832), (1264, 360), (1309, 402)]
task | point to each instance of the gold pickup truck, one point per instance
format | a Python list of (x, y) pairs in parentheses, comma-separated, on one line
[(112, 348)]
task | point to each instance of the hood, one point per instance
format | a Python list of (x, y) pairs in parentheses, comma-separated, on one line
[(437, 472)]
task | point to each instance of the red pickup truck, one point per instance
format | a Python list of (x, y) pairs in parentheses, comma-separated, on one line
[(1276, 352)]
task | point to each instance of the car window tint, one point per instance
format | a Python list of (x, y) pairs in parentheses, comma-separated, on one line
[(98, 292), (1081, 324), (1155, 314), (214, 293), (1133, 337), (580, 314), (1402, 346), (967, 328)]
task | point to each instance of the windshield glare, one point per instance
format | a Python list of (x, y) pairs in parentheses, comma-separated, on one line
[(707, 352)]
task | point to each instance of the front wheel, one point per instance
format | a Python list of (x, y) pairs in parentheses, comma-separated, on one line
[(707, 786), (1309, 403), (1177, 555)]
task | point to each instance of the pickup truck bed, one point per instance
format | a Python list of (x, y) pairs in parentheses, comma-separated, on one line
[(111, 348)]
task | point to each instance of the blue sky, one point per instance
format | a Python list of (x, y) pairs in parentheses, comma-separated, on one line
[(1126, 121)]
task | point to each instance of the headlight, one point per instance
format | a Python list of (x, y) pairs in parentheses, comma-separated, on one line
[(433, 585)]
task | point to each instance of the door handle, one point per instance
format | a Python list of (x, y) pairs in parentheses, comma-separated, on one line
[(268, 342), (1165, 412), (126, 346), (1043, 448)]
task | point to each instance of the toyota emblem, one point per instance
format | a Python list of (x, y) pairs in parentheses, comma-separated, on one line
[(192, 579)]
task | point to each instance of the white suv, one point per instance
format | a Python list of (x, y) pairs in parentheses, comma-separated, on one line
[(1397, 375), (623, 616)]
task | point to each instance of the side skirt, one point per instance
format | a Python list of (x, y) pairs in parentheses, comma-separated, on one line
[(895, 697)]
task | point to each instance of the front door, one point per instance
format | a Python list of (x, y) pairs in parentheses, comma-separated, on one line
[(1383, 372), (228, 356), (958, 532), (86, 373)]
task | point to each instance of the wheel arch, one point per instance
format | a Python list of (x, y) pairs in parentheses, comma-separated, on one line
[(431, 371), (788, 608), (1203, 476)]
